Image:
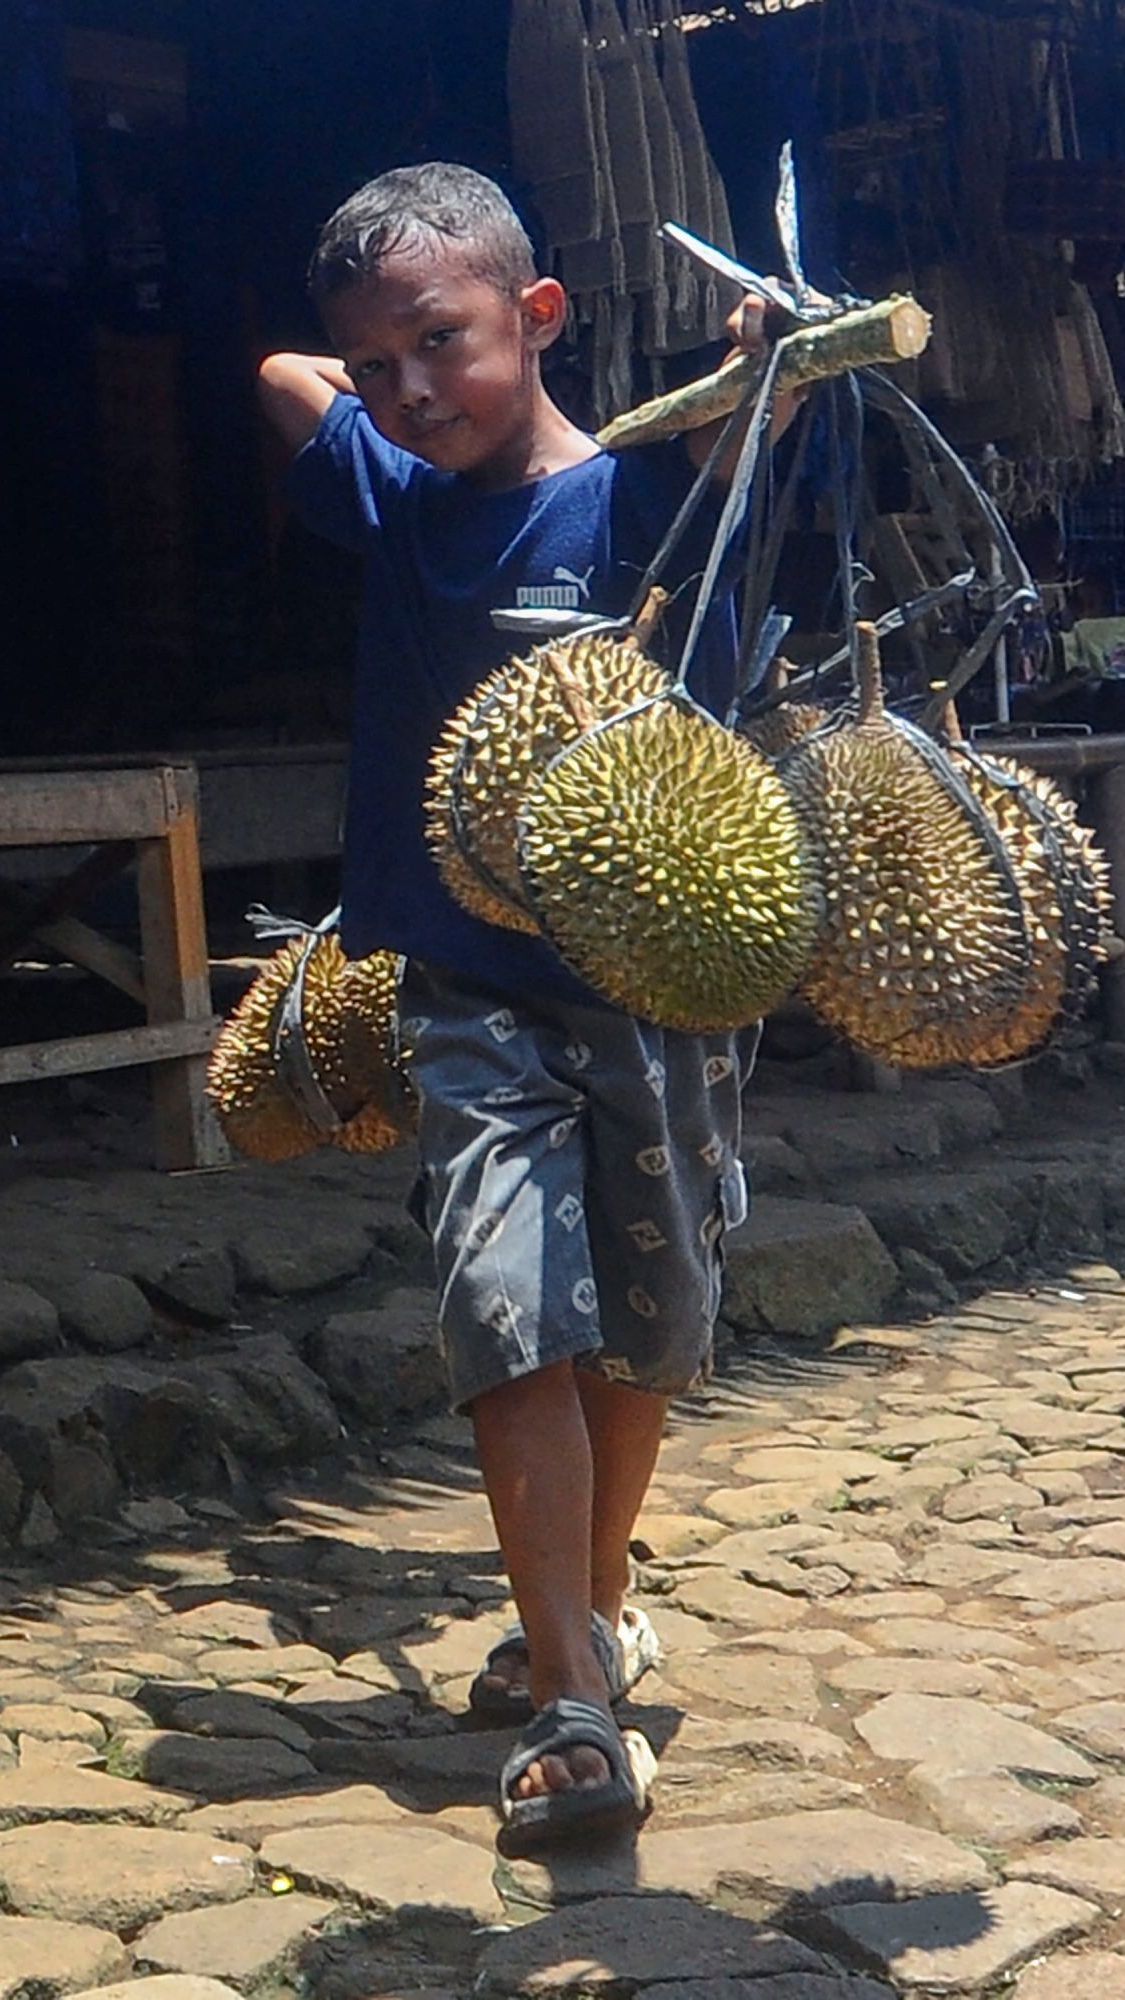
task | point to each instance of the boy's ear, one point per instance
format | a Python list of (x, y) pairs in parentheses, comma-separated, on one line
[(542, 312)]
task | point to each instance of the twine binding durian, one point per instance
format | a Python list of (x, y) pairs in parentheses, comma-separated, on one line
[(289, 1045)]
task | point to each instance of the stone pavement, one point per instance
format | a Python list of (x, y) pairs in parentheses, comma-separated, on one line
[(890, 1581)]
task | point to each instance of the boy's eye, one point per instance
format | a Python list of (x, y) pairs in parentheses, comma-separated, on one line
[(365, 370), (439, 336)]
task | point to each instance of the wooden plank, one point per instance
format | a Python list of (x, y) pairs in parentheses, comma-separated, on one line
[(70, 808), (80, 944), (122, 1048), (177, 979)]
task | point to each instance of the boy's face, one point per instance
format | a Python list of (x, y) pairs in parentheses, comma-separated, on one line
[(441, 358)]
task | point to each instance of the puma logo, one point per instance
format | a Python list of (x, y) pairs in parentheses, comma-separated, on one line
[(567, 591), (581, 583)]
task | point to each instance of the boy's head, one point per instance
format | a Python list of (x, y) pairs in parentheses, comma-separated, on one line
[(426, 282)]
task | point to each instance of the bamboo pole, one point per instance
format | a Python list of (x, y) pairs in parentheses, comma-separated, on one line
[(895, 329)]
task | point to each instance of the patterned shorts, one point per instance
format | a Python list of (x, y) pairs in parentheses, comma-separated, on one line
[(579, 1169)]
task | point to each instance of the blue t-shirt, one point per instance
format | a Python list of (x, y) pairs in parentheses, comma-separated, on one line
[(438, 556)]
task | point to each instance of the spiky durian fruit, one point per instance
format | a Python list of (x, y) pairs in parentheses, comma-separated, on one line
[(497, 743), (924, 923), (256, 1111), (665, 862), (346, 1019), (370, 1061), (776, 730), (1064, 884)]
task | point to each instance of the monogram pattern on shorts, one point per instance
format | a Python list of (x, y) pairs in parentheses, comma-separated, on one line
[(647, 1235), (569, 1212), (579, 1054), (561, 1131), (502, 1314), (485, 1229), (654, 1161), (643, 1302), (584, 1296), (656, 1076), (716, 1069), (712, 1152), (501, 1025), (503, 1093)]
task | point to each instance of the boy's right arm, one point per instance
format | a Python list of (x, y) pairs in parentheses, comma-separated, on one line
[(295, 391)]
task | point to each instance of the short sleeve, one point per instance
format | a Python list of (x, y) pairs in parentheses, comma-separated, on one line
[(340, 481)]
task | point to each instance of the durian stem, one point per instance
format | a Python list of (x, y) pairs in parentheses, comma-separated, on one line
[(951, 724), (649, 615), (869, 672), (894, 329)]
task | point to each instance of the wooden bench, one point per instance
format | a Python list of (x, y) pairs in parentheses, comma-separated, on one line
[(150, 814)]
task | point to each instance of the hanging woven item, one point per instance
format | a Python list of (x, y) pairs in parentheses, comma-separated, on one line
[(552, 117), (706, 213), (674, 281), (925, 922), (629, 162), (308, 1057)]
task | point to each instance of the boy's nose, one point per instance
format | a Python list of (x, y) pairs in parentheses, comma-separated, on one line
[(413, 387)]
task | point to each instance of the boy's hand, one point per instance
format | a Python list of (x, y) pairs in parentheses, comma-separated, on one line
[(295, 390)]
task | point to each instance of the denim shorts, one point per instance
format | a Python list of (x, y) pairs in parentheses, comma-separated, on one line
[(579, 1169)]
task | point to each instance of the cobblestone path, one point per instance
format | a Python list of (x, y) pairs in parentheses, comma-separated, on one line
[(891, 1587)]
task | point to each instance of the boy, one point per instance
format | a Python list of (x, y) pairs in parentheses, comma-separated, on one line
[(578, 1167)]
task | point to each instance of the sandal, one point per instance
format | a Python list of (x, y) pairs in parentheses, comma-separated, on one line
[(585, 1811), (623, 1656)]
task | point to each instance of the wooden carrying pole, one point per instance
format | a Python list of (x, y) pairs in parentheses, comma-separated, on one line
[(895, 329)]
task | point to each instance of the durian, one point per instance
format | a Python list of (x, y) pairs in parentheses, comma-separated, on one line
[(497, 743), (776, 730), (666, 864), (1063, 880), (924, 924), (346, 1014)]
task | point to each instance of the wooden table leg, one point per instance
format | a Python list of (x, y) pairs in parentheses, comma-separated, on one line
[(177, 977)]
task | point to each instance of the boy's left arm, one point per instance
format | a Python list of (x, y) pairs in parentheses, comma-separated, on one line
[(747, 330)]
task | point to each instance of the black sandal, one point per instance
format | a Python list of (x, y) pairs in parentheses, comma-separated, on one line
[(585, 1811)]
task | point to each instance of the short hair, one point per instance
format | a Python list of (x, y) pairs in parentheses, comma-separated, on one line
[(408, 204)]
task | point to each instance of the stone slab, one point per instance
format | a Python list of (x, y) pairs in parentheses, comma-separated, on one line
[(836, 1855), (64, 1793), (40, 1954), (241, 1942), (953, 1944), (216, 1768), (1094, 1975), (117, 1876), (601, 1945), (385, 1868), (163, 1986), (966, 1736), (1091, 1868)]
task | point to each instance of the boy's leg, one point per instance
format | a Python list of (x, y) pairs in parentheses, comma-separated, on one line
[(534, 1450), (625, 1427)]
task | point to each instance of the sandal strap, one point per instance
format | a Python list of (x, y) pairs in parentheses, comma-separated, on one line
[(567, 1724)]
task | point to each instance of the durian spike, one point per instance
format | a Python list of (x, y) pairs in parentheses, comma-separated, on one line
[(869, 673)]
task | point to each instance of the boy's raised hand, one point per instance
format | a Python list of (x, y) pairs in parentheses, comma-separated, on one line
[(295, 391)]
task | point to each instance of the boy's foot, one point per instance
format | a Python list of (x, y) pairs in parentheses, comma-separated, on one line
[(573, 1774), (501, 1691)]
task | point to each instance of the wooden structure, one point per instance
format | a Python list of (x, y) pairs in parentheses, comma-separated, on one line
[(149, 813)]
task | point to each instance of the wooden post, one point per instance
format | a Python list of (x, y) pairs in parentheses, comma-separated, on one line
[(1107, 800), (177, 974)]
